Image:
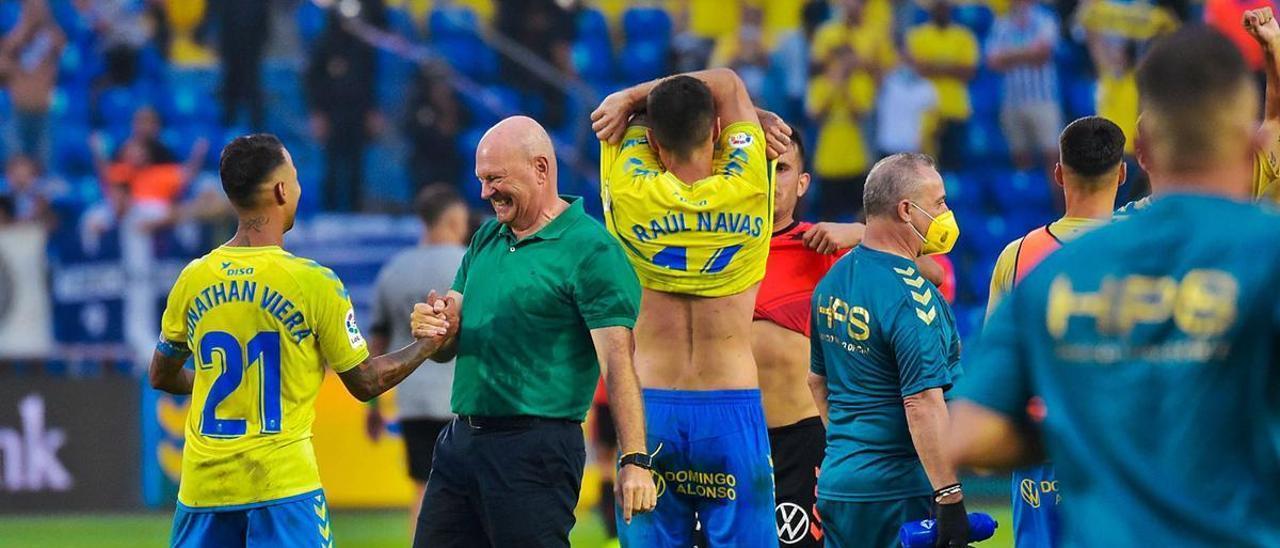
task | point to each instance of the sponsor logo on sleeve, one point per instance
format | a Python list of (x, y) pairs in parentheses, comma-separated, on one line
[(353, 330), (741, 140)]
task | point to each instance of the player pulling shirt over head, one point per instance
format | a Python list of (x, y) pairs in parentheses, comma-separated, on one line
[(261, 325), (689, 194)]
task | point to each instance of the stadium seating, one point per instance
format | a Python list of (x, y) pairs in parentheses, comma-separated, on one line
[(647, 24)]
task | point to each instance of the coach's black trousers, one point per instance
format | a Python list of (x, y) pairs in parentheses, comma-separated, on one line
[(502, 482)]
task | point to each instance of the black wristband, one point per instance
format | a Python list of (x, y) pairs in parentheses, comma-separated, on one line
[(953, 489)]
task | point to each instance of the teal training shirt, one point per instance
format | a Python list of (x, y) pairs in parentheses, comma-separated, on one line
[(1155, 346), (881, 332)]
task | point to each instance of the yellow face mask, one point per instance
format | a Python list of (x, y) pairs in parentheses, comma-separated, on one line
[(942, 234)]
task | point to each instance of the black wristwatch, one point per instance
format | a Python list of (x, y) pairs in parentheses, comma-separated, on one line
[(642, 460)]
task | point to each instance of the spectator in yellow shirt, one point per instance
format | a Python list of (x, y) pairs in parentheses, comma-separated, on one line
[(947, 54), (865, 29), (838, 106), (745, 52), (1117, 100)]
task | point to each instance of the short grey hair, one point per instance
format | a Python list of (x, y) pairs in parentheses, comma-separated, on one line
[(893, 179)]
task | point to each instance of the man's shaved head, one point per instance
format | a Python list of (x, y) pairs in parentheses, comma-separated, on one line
[(518, 134), (516, 165)]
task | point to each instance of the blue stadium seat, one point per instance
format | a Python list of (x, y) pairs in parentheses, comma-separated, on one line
[(984, 92), (1024, 196), (993, 233), (592, 26), (452, 23), (70, 105), (969, 317), (918, 14), (965, 193), (80, 64), (394, 74), (9, 12), (1072, 59), (978, 17), (470, 56), (985, 143), (71, 152), (400, 22), (384, 171), (207, 80), (1080, 97), (152, 65), (593, 60), (646, 24), (116, 105), (76, 27), (643, 61), (311, 20), (467, 143), (491, 105), (188, 104)]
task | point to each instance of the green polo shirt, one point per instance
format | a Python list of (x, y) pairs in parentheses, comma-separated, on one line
[(528, 309)]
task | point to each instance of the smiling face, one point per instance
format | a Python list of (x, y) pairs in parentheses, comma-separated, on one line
[(516, 169)]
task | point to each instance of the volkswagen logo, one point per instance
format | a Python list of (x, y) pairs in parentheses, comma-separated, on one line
[(792, 522)]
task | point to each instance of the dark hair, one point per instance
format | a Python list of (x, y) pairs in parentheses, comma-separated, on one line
[(433, 201), (246, 162), (681, 112), (797, 141), (1184, 81), (1092, 146)]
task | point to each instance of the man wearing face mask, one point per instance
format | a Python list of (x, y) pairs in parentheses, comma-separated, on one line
[(884, 349)]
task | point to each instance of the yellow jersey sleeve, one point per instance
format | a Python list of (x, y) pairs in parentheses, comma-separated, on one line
[(631, 160), (338, 336), (173, 323), (1002, 275), (1265, 175), (740, 154)]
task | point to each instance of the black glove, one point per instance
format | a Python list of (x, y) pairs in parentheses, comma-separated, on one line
[(952, 523)]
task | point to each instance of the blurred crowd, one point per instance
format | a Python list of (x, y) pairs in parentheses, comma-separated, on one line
[(113, 110)]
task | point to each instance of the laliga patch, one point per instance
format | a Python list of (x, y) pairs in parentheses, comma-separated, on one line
[(740, 140), (353, 330)]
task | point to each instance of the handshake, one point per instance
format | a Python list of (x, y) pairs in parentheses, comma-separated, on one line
[(436, 319)]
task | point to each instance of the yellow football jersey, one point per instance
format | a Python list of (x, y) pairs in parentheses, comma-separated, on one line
[(262, 324), (709, 238), (1266, 173), (1065, 229)]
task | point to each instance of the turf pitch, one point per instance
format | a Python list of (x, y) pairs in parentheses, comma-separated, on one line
[(352, 529)]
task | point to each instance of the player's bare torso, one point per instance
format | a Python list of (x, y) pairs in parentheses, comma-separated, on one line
[(695, 343), (782, 357)]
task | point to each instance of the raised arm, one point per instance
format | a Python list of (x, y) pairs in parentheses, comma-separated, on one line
[(733, 104), (1262, 26)]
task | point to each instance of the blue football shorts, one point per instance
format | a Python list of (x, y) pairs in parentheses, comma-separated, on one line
[(712, 465), (301, 520)]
